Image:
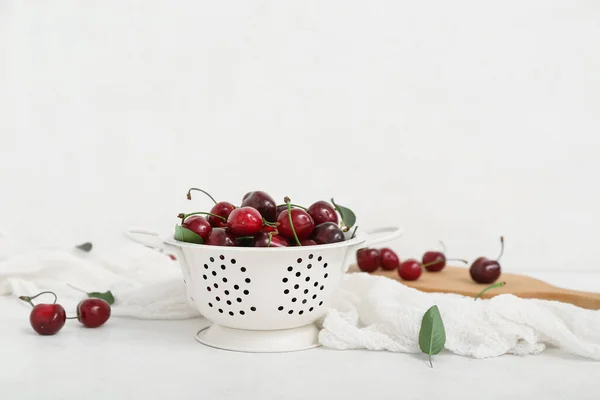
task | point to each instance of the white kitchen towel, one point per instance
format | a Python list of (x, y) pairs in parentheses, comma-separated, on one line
[(368, 312)]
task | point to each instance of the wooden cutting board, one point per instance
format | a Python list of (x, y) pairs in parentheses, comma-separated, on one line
[(457, 280)]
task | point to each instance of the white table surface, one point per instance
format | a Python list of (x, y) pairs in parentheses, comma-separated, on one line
[(140, 359)]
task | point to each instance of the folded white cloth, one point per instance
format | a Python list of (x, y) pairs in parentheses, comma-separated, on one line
[(367, 312)]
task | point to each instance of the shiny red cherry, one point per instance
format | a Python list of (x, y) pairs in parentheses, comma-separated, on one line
[(262, 240), (47, 319), (410, 270), (484, 270), (262, 202), (220, 237), (222, 209), (93, 313), (434, 261), (326, 233), (303, 224), (367, 259), (388, 259), (244, 221), (322, 211), (198, 225)]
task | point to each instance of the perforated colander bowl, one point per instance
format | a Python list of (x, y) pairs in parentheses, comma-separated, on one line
[(261, 299)]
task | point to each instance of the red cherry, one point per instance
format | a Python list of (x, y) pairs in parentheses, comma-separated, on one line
[(262, 202), (484, 270), (244, 221), (308, 242), (262, 240), (321, 212), (326, 233), (434, 261), (222, 209), (388, 259), (220, 237), (93, 313), (198, 225), (367, 259), (303, 224), (268, 228), (47, 319), (410, 270), (280, 209)]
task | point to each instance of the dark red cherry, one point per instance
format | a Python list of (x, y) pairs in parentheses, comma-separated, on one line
[(308, 242), (484, 270), (303, 224), (198, 225), (434, 261), (244, 221), (262, 202), (388, 259), (47, 319), (322, 211), (93, 313), (220, 237), (262, 240), (222, 209), (410, 270), (367, 259), (326, 233)]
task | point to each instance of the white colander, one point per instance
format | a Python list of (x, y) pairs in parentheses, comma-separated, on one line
[(261, 299)]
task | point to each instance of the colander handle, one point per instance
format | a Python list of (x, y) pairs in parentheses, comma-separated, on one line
[(382, 235), (150, 239)]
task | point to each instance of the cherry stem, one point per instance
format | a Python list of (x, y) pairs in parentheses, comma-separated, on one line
[(294, 205), (184, 216), (354, 232), (501, 248), (189, 194), (289, 206), (271, 224), (444, 249), (71, 318), (270, 237), (28, 298), (457, 259), (430, 264), (495, 285)]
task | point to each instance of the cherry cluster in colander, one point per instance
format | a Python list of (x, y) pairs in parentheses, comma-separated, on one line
[(259, 221)]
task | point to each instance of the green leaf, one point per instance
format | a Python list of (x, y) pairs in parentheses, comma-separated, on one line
[(432, 335), (348, 216), (106, 296), (185, 235), (495, 285)]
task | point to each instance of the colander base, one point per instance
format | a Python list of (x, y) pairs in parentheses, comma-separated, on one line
[(252, 341)]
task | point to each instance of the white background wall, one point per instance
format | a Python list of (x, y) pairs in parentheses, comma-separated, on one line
[(459, 120)]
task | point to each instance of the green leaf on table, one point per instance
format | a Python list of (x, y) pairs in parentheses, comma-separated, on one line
[(432, 335), (347, 215), (495, 285), (106, 296), (185, 235)]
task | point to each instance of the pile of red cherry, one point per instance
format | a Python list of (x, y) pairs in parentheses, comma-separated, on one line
[(482, 270), (260, 222), (49, 318)]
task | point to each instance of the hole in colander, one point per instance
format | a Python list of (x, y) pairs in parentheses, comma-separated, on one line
[(316, 284), (286, 291), (322, 287), (204, 276), (220, 310), (222, 257), (247, 280), (325, 276), (231, 313), (290, 269), (280, 308), (205, 266), (325, 265), (304, 301), (296, 286), (224, 280), (320, 303), (300, 312), (310, 256), (246, 292), (291, 312), (218, 298), (210, 304), (212, 259), (208, 288), (252, 308), (309, 266), (216, 286), (233, 261), (307, 278), (228, 302), (314, 296), (293, 299), (223, 267), (310, 309), (320, 258), (298, 274), (227, 293), (299, 260), (242, 312), (285, 280), (214, 273), (236, 287), (239, 300), (305, 291), (243, 269)]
